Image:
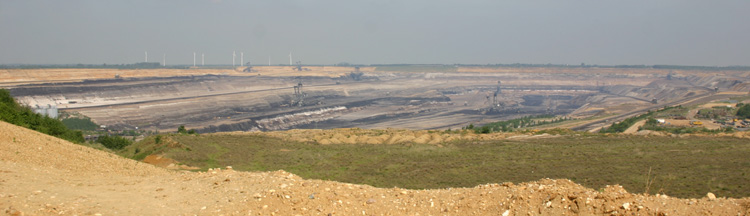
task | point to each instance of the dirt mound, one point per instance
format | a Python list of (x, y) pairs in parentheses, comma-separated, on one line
[(21, 145), (378, 136), (161, 161), (42, 175)]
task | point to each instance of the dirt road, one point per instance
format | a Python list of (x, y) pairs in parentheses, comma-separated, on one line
[(42, 175)]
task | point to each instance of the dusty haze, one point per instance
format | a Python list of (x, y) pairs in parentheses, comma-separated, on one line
[(371, 32)]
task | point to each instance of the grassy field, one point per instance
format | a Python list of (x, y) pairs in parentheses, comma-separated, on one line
[(681, 167)]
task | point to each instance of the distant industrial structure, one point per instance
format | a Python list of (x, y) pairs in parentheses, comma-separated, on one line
[(49, 110), (495, 103), (299, 96)]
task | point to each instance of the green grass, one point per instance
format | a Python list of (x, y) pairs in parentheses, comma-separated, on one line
[(683, 167), (80, 124), (151, 145)]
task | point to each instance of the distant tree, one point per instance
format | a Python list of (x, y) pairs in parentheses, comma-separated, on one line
[(744, 111), (182, 129), (5, 98), (114, 142)]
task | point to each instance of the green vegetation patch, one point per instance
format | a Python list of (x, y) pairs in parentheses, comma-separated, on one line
[(13, 113), (672, 112), (114, 142), (682, 167), (744, 111), (84, 124), (619, 127), (653, 125), (513, 124)]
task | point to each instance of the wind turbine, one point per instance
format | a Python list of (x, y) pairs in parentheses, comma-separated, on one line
[(146, 56), (234, 55), (269, 60), (164, 60), (193, 59), (290, 58), (203, 59), (242, 58)]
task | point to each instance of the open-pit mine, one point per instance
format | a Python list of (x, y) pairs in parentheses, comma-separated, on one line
[(384, 168), (265, 98)]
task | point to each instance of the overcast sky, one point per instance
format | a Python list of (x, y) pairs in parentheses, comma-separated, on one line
[(605, 32)]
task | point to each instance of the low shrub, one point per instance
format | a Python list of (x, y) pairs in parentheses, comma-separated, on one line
[(114, 142)]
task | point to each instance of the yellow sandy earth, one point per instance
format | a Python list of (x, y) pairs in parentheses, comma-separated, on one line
[(24, 76), (402, 136)]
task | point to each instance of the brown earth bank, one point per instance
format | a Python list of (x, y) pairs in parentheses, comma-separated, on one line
[(43, 175)]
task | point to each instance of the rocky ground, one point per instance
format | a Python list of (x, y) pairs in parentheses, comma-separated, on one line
[(42, 175)]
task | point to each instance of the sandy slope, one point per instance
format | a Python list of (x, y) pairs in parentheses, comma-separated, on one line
[(634, 128), (42, 175)]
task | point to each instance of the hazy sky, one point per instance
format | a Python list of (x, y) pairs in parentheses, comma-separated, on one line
[(605, 32)]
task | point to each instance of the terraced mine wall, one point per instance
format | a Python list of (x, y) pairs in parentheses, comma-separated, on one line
[(389, 99), (318, 117)]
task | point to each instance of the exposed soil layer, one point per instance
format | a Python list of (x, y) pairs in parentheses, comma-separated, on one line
[(42, 175)]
